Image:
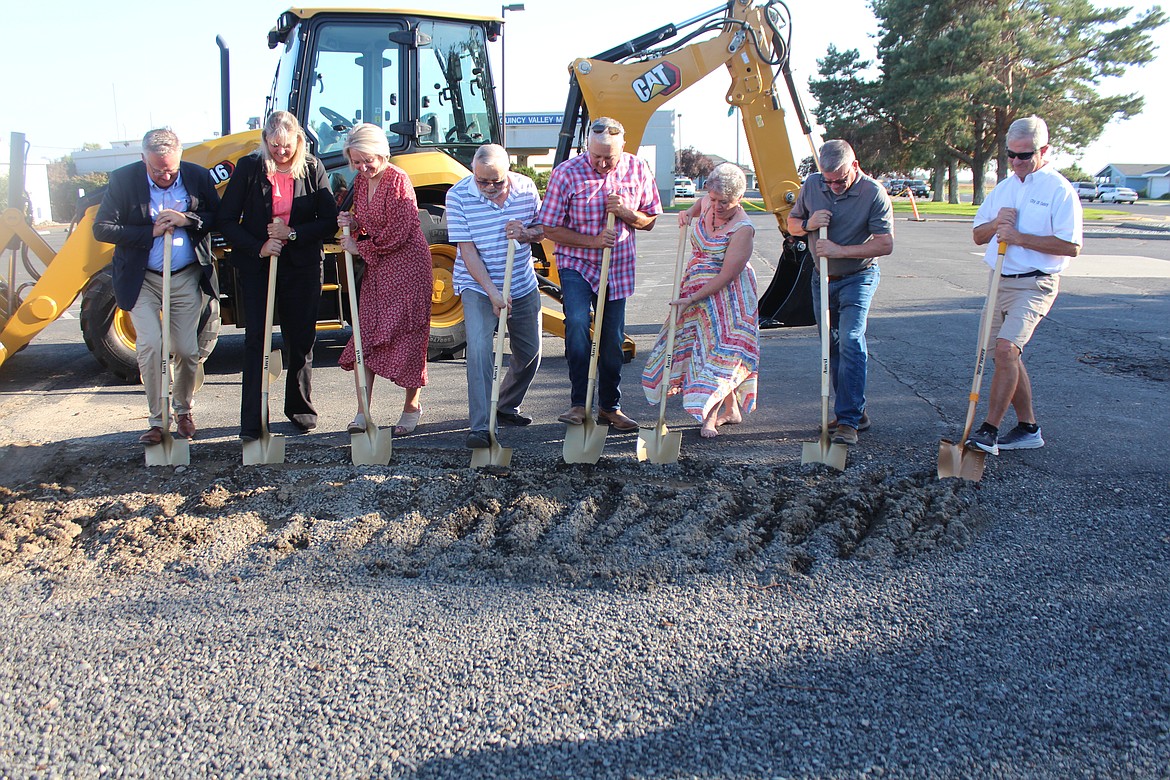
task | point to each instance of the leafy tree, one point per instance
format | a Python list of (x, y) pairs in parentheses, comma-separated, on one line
[(807, 166), (1075, 172), (539, 179), (952, 75), (692, 163), (64, 182)]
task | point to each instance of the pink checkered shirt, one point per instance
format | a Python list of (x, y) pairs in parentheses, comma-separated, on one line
[(575, 199)]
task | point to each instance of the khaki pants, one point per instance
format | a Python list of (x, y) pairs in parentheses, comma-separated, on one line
[(186, 303)]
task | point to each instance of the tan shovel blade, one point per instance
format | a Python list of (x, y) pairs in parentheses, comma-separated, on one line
[(659, 444), (171, 451), (269, 448), (823, 451), (199, 377), (584, 442), (956, 460), (371, 447), (493, 455)]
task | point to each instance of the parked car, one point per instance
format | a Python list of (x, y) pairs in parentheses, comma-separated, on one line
[(1086, 190), (895, 186), (684, 187), (918, 187), (1113, 194)]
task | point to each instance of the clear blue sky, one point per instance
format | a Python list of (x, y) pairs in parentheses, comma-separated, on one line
[(83, 73)]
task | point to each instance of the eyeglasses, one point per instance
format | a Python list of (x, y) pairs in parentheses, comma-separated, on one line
[(836, 182), (1020, 155), (601, 126), (492, 183)]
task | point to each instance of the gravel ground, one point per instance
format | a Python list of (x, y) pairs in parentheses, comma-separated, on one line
[(620, 621)]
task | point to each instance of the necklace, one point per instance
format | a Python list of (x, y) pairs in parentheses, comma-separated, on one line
[(283, 170)]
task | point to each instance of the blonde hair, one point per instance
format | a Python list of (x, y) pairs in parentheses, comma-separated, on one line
[(366, 139), (281, 126)]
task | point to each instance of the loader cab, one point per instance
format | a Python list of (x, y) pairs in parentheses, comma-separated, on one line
[(426, 80)]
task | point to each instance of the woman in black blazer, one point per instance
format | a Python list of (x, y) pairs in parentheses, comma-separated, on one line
[(278, 203)]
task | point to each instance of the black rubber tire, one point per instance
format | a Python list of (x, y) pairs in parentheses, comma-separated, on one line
[(105, 328), (448, 340), (109, 334)]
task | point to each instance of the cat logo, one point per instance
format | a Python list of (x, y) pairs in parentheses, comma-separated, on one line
[(663, 79)]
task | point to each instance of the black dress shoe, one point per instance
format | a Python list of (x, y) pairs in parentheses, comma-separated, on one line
[(478, 440), (507, 418)]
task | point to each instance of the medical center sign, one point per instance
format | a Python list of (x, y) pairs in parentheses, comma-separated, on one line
[(662, 79)]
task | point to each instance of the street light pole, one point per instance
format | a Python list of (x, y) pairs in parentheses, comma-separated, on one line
[(504, 71)]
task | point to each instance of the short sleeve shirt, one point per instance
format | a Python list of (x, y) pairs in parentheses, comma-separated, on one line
[(473, 218), (575, 199), (1046, 205), (861, 211)]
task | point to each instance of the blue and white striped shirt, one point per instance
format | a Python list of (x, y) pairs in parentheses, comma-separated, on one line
[(472, 217)]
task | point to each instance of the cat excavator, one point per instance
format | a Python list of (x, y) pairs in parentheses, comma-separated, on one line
[(425, 77)]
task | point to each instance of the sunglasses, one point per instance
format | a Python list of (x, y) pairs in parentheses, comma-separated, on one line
[(605, 127), (1020, 155), (835, 182)]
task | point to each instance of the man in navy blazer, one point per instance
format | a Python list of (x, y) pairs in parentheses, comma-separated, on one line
[(143, 202)]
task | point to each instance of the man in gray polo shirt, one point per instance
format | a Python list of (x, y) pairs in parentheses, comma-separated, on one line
[(484, 212), (856, 221)]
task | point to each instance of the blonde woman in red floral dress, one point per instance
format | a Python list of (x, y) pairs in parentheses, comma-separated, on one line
[(394, 305)]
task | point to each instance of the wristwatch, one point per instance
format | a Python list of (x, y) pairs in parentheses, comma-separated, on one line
[(292, 235), (804, 225)]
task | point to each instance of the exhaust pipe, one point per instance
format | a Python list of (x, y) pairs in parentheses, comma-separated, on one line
[(225, 102)]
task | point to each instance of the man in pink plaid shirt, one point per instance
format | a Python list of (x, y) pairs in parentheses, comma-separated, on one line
[(581, 192)]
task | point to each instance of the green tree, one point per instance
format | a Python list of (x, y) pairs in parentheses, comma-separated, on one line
[(952, 75), (692, 163), (64, 183), (1075, 172)]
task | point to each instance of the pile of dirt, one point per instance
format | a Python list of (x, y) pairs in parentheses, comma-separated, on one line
[(616, 523)]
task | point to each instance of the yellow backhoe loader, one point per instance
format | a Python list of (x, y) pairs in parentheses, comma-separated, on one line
[(426, 79)]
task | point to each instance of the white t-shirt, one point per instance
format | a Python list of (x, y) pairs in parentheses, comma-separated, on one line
[(1046, 205)]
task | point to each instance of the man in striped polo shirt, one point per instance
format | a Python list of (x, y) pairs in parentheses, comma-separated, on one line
[(581, 192), (484, 212)]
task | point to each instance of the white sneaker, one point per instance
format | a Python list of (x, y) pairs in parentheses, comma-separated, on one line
[(1019, 439)]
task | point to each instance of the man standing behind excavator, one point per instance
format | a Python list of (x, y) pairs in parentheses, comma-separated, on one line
[(581, 193), (145, 201), (857, 221)]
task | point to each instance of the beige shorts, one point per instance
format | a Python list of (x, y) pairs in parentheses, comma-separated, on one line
[(1020, 304)]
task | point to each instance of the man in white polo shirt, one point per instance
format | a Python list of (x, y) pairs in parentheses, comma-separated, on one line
[(1037, 213), (484, 212)]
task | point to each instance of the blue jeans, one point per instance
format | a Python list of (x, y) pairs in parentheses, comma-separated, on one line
[(849, 300), (524, 342), (577, 298)]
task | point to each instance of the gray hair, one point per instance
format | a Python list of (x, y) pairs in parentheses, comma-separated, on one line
[(727, 179), (604, 125), (835, 155), (283, 125), (1031, 128), (491, 154), (161, 141)]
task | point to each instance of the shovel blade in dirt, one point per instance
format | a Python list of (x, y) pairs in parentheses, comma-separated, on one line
[(268, 449), (957, 460), (824, 451), (371, 447), (659, 445), (492, 455), (585, 442), (275, 364), (169, 452)]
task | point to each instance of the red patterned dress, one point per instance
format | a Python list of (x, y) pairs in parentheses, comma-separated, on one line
[(394, 306)]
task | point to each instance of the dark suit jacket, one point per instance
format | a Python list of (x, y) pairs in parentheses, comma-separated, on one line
[(124, 220), (246, 212)]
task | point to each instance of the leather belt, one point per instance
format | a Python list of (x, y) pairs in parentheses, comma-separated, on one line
[(1025, 275), (176, 271)]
